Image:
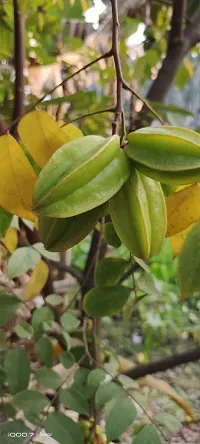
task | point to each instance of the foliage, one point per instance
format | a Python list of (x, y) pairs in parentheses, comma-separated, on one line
[(61, 182)]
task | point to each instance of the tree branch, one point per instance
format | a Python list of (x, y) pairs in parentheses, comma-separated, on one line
[(97, 250), (176, 35), (77, 274), (164, 364), (119, 110), (145, 103), (19, 62), (177, 50), (174, 57)]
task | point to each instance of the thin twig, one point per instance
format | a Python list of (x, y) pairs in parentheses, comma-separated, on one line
[(30, 439), (84, 68), (101, 111), (148, 416), (85, 279), (19, 63), (128, 88)]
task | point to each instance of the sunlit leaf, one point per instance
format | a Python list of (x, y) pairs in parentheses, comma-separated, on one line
[(189, 263), (72, 131), (10, 240), (177, 240), (17, 179), (37, 281), (183, 209), (42, 136)]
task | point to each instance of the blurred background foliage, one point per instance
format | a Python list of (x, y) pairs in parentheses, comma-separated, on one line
[(60, 37)]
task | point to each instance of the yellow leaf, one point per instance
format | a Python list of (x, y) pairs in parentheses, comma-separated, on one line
[(17, 179), (41, 136), (189, 67), (183, 209), (10, 239), (37, 281), (85, 5), (125, 364), (164, 387), (178, 239), (72, 131)]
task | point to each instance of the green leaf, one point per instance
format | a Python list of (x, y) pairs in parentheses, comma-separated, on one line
[(142, 264), (159, 107), (48, 377), (67, 339), (146, 283), (95, 377), (80, 383), (5, 221), (168, 421), (120, 418), (24, 330), (73, 10), (81, 376), (45, 253), (189, 263), (127, 382), (2, 376), (54, 299), (22, 260), (3, 341), (108, 391), (105, 301), (41, 315), (129, 26), (63, 429), (8, 306), (31, 401), (9, 427), (184, 74), (44, 349), (69, 322), (109, 271), (74, 400), (67, 359), (148, 435), (17, 368), (32, 417), (110, 235), (9, 410), (23, 5)]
